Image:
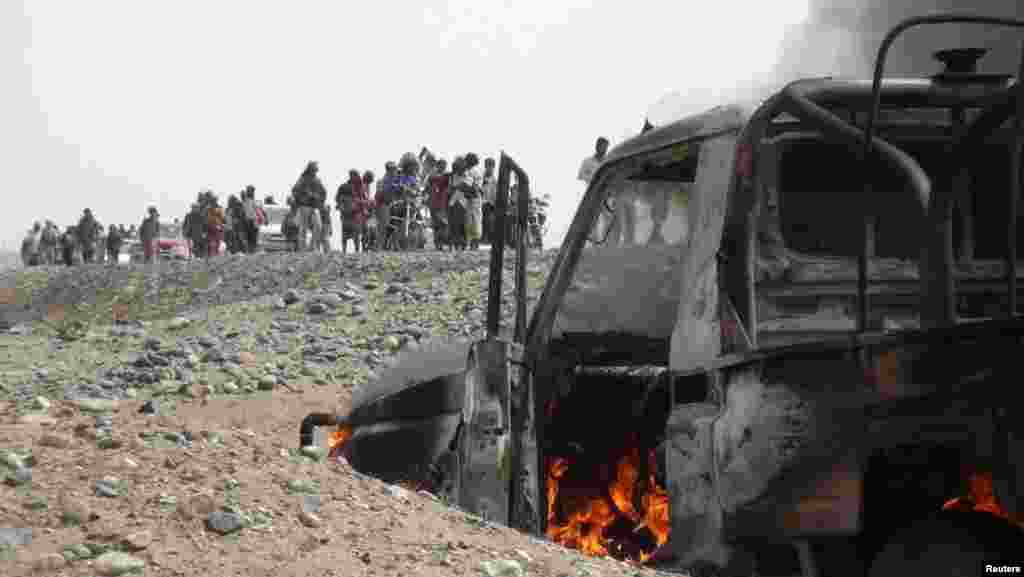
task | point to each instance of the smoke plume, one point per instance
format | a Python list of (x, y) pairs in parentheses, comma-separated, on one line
[(841, 38)]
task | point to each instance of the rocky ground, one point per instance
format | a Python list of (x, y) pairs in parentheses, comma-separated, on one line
[(149, 418)]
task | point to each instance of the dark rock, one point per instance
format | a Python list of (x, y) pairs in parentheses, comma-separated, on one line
[(150, 407), (106, 488), (224, 522), (316, 308), (291, 297), (15, 537)]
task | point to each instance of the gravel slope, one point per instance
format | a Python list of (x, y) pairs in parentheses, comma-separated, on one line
[(231, 355)]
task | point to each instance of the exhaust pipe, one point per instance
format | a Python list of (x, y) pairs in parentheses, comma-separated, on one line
[(314, 420)]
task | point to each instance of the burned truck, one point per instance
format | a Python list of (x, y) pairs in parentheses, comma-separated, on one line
[(776, 339)]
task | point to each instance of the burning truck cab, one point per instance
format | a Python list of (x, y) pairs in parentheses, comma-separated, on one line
[(777, 339)]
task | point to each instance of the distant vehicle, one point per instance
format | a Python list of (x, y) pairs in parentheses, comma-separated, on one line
[(170, 240), (271, 239), (129, 246)]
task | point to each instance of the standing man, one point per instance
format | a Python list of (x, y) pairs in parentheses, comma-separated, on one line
[(438, 187), (113, 245), (215, 221), (383, 198), (48, 243), (345, 202), (307, 192), (147, 234), (252, 221), (195, 231), (87, 235), (591, 163), (68, 240)]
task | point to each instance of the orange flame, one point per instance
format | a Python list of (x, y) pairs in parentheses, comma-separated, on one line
[(980, 497), (588, 518), (337, 439)]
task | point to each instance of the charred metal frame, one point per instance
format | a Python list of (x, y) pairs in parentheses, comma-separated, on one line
[(940, 306)]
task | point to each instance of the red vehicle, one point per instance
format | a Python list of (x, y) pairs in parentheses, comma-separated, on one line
[(170, 243)]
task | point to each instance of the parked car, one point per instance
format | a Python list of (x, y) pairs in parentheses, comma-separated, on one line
[(170, 240)]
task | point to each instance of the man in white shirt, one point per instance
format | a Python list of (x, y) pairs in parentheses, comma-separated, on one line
[(590, 163)]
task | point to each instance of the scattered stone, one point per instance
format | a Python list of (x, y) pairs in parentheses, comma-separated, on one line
[(502, 568), (291, 297), (108, 487), (392, 343), (214, 355), (396, 492), (108, 441), (267, 382), (97, 405), (311, 503), (224, 522), (302, 486), (41, 404), (310, 519), (115, 563), (81, 551), (151, 344), (314, 452), (15, 537), (137, 541), (150, 407), (178, 323)]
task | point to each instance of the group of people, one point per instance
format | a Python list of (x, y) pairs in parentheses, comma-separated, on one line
[(86, 242), (208, 227), (460, 202), (419, 191)]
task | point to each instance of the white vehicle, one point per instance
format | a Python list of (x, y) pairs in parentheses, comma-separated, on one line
[(271, 239)]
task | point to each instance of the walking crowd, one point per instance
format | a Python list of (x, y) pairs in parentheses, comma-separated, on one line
[(416, 197)]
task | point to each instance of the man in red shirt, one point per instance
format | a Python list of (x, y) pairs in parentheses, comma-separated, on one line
[(439, 203)]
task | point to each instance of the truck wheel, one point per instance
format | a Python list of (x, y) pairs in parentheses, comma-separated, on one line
[(952, 544)]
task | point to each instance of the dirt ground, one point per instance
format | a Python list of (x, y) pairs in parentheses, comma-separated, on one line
[(365, 526)]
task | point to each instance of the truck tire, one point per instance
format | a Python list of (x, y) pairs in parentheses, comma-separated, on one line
[(402, 451), (950, 544)]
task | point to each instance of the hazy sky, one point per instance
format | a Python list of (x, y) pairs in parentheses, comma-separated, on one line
[(118, 104)]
